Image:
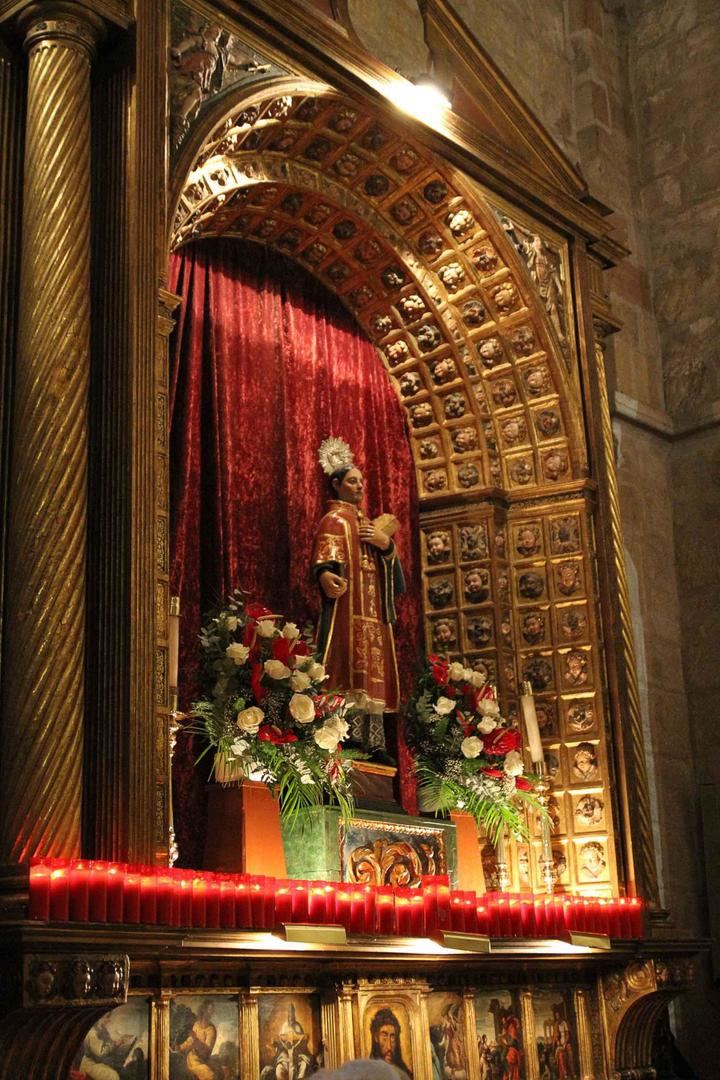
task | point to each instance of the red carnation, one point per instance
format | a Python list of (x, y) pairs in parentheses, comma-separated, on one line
[(501, 741), (257, 611), (273, 734), (522, 783), (496, 774)]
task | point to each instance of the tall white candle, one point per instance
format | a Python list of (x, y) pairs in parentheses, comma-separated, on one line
[(532, 728), (173, 642)]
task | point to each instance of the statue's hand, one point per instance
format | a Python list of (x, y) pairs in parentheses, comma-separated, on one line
[(370, 534), (332, 584)]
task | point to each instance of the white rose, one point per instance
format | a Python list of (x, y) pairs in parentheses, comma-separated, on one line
[(317, 672), (265, 628), (339, 726), (326, 739), (290, 631), (231, 622), (249, 720), (456, 671), (487, 724), (300, 681), (477, 679), (471, 747), (237, 653), (276, 669), (468, 674), (302, 708), (489, 707), (513, 763), (444, 706), (238, 747)]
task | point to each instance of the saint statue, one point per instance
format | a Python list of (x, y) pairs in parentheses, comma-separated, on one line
[(357, 569)]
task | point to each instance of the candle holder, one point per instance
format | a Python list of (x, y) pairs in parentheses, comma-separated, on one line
[(173, 729), (501, 863), (543, 788)]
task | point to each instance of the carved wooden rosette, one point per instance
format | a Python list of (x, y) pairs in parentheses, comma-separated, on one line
[(45, 638)]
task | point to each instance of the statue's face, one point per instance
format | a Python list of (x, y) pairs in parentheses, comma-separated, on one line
[(350, 488)]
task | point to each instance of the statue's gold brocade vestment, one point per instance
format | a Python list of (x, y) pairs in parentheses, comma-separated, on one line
[(355, 636)]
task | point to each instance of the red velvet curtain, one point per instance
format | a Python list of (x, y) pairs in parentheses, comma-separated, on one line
[(265, 364)]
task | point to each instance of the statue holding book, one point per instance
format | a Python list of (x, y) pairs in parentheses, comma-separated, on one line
[(359, 574)]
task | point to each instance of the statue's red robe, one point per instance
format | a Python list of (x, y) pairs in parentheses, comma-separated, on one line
[(355, 636)]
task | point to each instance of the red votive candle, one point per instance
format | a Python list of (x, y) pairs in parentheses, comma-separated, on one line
[(637, 917), (343, 905), (258, 887), (442, 893), (299, 895), (40, 872), (357, 911), (131, 896), (331, 902), (184, 899), (243, 905), (283, 905), (504, 915), (527, 918), (268, 886), (316, 902), (385, 910), (370, 901), (493, 914), (199, 899), (402, 911), (114, 888), (148, 898), (483, 923), (79, 891), (212, 901), (429, 895), (59, 893), (457, 912), (97, 892), (417, 914), (227, 902), (515, 916), (164, 890)]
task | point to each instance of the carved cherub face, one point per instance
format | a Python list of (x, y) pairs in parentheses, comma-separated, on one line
[(437, 546)]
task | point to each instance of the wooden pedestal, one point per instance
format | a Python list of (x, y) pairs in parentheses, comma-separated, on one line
[(243, 830)]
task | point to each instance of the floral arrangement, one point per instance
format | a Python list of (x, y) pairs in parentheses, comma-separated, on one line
[(265, 711), (468, 757)]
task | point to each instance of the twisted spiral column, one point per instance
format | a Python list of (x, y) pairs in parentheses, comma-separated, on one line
[(42, 728)]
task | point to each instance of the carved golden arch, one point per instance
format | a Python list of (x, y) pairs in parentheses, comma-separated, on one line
[(419, 258)]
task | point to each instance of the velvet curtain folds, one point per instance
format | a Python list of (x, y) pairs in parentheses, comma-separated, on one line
[(265, 364)]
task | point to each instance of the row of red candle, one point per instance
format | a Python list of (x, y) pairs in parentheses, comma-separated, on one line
[(86, 891)]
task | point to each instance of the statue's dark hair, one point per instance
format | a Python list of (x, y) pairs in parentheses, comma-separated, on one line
[(339, 474)]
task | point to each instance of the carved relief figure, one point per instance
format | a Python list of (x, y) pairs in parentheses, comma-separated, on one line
[(589, 811), (581, 716), (438, 546), (504, 393), (468, 475), (528, 540), (575, 669), (441, 592), (538, 671), (567, 577), (476, 584), (532, 627), (435, 480), (473, 542), (464, 439), (444, 634), (573, 623), (592, 861), (443, 371), (564, 535), (480, 631), (531, 585), (585, 762), (555, 465)]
